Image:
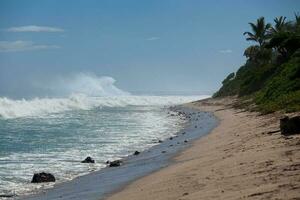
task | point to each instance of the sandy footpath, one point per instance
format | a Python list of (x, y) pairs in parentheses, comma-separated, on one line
[(239, 159)]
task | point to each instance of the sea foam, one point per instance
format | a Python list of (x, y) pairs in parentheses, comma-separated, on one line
[(84, 83), (42, 106)]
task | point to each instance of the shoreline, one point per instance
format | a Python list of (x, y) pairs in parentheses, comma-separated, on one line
[(239, 159), (100, 184)]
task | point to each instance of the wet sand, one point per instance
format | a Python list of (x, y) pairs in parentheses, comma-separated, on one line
[(239, 159)]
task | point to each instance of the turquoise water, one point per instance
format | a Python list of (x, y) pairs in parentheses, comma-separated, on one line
[(54, 135)]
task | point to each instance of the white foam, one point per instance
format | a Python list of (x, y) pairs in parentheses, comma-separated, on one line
[(42, 106), (84, 83)]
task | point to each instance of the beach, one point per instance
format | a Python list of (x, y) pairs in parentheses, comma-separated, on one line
[(149, 100), (242, 158)]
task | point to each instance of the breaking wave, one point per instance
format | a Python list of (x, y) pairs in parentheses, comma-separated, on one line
[(85, 83), (83, 91), (42, 106)]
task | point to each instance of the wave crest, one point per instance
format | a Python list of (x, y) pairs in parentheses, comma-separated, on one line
[(86, 83), (43, 106)]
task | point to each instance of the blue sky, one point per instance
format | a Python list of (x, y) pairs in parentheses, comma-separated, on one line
[(146, 46)]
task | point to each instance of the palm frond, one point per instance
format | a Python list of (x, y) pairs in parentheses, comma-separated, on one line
[(251, 39), (249, 34)]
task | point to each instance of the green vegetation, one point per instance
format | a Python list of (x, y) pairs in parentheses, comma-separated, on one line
[(270, 78)]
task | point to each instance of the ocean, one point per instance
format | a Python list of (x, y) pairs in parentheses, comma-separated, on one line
[(55, 134)]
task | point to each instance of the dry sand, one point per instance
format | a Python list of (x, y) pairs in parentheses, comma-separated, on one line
[(239, 159)]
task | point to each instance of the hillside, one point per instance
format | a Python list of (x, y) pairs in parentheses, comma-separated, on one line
[(270, 78)]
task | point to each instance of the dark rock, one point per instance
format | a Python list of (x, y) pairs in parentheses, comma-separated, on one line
[(160, 141), (183, 133), (136, 153), (107, 162), (88, 160), (6, 195), (195, 126), (42, 177), (290, 126), (116, 163), (163, 152), (185, 141), (171, 138)]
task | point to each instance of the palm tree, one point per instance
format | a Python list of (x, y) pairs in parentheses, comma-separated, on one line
[(297, 19), (285, 36), (297, 23), (280, 25), (259, 31)]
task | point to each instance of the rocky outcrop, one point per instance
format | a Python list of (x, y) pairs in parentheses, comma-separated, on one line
[(290, 125), (136, 153), (88, 160), (115, 163), (42, 177)]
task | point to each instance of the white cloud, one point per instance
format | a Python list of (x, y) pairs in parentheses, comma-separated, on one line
[(225, 51), (153, 38), (19, 45), (34, 28)]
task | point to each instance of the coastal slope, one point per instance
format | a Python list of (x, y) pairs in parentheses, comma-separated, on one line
[(239, 159)]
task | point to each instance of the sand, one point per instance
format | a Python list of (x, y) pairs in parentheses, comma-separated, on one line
[(239, 159)]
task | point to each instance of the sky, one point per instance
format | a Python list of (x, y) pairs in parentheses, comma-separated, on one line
[(145, 46)]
